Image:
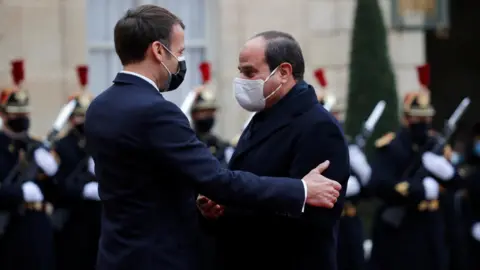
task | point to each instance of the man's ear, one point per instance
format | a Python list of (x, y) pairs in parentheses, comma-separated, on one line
[(157, 50), (285, 70)]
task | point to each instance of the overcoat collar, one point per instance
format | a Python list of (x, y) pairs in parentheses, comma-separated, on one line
[(299, 100)]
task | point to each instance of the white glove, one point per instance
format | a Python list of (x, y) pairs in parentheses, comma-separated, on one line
[(437, 165), (46, 161), (90, 191), (359, 163), (91, 166), (31, 192), (432, 188), (229, 153), (353, 186), (476, 231)]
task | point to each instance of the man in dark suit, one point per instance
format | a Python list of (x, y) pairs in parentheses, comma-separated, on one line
[(290, 133), (149, 162)]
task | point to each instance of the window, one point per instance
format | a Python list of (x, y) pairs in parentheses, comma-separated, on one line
[(103, 61)]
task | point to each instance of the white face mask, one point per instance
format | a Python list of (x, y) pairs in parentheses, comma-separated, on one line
[(249, 93)]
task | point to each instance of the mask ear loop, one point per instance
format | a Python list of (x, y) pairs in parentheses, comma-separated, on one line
[(278, 88), (179, 59)]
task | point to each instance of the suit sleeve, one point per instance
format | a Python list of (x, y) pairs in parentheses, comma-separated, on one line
[(184, 152), (385, 184), (324, 141)]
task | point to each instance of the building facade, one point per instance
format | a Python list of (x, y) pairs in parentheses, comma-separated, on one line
[(53, 36)]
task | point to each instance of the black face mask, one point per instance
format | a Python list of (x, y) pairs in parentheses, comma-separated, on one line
[(175, 80), (80, 128), (19, 124), (204, 125), (419, 132)]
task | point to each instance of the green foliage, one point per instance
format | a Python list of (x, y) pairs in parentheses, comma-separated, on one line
[(371, 75)]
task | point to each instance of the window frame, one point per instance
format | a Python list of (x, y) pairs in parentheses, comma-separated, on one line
[(207, 43)]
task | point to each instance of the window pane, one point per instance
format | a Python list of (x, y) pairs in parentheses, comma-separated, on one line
[(96, 24), (194, 16), (114, 66), (98, 62)]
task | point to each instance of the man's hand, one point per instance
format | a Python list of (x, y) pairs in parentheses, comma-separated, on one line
[(209, 208), (321, 191)]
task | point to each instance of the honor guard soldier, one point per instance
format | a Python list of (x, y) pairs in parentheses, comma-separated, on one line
[(324, 97), (203, 114), (80, 227), (350, 253), (469, 170), (27, 241), (409, 231)]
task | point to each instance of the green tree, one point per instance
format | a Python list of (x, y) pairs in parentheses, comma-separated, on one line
[(371, 75), (371, 80)]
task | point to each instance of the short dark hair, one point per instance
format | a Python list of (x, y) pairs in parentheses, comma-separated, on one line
[(282, 47), (141, 26)]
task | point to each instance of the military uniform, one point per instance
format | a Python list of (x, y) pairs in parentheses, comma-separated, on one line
[(409, 229), (27, 240), (469, 171), (350, 253), (203, 126), (77, 240)]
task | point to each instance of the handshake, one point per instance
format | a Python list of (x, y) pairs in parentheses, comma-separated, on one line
[(321, 192)]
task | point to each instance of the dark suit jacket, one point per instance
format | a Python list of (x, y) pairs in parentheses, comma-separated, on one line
[(287, 140), (149, 162)]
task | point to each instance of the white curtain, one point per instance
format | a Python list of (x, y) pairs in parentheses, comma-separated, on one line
[(103, 61)]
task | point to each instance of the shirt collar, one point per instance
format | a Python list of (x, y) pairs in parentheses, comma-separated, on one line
[(141, 76)]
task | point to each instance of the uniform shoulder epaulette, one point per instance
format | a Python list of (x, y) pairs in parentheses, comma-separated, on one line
[(385, 140)]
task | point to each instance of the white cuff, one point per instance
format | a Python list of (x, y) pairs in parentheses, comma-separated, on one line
[(432, 188), (306, 192)]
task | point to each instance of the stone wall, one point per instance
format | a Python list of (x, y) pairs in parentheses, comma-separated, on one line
[(50, 36)]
